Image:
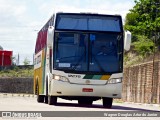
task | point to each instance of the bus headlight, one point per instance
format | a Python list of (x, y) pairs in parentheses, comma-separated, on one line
[(60, 78), (115, 80), (56, 77), (64, 79)]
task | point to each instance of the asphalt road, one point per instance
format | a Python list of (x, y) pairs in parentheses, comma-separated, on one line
[(17, 102)]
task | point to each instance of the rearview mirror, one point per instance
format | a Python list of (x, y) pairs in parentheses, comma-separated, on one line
[(50, 36), (127, 40)]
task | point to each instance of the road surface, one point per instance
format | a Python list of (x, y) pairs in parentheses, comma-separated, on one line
[(16, 102)]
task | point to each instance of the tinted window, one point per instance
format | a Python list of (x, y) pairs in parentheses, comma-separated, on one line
[(92, 23)]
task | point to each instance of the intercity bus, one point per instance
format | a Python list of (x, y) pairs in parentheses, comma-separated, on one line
[(79, 56)]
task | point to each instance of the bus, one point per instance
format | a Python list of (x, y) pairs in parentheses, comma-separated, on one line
[(79, 56)]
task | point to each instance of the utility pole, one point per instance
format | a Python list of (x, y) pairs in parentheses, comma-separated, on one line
[(154, 51), (18, 59)]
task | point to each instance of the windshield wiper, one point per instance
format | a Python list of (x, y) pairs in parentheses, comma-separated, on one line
[(99, 65), (81, 58)]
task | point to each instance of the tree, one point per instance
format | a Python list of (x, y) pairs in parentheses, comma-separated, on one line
[(13, 60), (144, 46), (144, 18), (1, 48), (26, 61), (143, 21)]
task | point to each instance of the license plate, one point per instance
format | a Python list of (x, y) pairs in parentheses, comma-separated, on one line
[(87, 90)]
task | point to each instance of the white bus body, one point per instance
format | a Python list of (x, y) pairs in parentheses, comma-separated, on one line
[(80, 57)]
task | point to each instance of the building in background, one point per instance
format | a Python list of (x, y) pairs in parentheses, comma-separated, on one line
[(5, 58)]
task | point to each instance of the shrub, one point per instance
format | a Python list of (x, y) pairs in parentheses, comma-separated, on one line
[(144, 45)]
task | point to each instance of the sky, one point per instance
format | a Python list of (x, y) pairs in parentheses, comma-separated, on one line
[(20, 20)]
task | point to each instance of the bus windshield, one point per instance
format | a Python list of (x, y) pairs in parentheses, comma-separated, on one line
[(96, 52), (91, 44)]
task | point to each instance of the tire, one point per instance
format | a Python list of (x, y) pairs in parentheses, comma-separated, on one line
[(107, 102), (85, 102), (40, 98), (46, 97), (52, 100)]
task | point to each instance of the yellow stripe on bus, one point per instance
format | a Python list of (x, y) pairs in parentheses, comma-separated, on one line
[(105, 77)]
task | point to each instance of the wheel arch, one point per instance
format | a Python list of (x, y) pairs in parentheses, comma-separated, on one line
[(36, 83)]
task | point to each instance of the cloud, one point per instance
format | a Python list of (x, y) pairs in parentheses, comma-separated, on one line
[(14, 33), (11, 11), (20, 19)]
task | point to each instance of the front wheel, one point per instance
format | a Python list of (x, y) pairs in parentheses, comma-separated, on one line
[(46, 99), (52, 100), (107, 102)]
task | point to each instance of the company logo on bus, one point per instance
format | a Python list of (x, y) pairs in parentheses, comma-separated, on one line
[(87, 81), (74, 76)]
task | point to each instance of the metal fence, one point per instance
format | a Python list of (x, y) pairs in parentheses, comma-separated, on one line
[(141, 83)]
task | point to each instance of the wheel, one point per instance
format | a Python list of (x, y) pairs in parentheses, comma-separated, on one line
[(52, 100), (46, 99), (85, 102), (40, 98), (107, 102)]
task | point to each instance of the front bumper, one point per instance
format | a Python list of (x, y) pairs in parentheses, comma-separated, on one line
[(60, 88)]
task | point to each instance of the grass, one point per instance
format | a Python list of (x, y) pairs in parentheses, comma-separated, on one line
[(118, 101), (132, 59), (16, 72)]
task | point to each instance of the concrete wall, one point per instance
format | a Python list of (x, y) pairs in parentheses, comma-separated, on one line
[(141, 83), (16, 85)]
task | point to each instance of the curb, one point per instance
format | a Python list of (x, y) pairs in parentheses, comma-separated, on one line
[(17, 95), (144, 104)]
